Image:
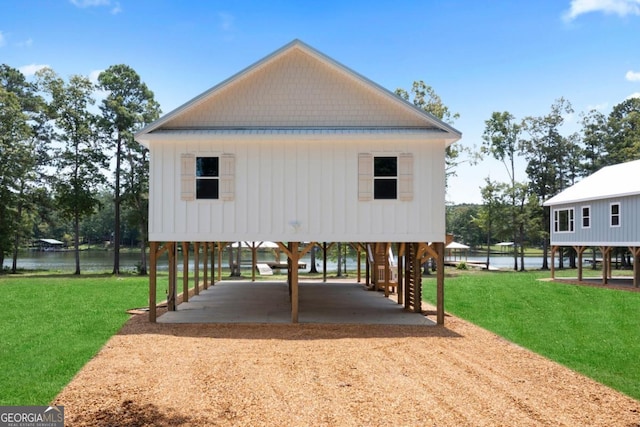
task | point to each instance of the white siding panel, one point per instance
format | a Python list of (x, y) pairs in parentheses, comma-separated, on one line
[(246, 190), (225, 220), (266, 196), (255, 171), (313, 182), (170, 182), (155, 186), (326, 184), (315, 188), (340, 214), (277, 191), (203, 221), (303, 186)]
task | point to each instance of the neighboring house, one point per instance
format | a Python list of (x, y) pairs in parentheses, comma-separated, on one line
[(298, 148), (602, 211), (49, 244)]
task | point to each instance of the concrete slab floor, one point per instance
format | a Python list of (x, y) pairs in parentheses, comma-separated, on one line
[(345, 302)]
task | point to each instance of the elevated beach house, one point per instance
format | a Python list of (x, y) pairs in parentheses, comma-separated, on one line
[(602, 211), (298, 149)]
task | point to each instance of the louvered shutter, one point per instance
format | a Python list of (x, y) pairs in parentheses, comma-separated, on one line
[(188, 177), (405, 177), (227, 177), (365, 177)]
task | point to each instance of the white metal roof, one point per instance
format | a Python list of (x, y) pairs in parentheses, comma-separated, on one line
[(264, 244), (611, 181), (456, 245), (52, 241)]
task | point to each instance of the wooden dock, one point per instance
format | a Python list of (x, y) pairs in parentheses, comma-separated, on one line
[(474, 264), (273, 265)]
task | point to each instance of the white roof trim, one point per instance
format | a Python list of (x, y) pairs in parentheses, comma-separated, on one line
[(370, 133), (456, 135)]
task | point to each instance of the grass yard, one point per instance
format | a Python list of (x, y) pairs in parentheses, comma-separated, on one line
[(51, 325), (592, 330)]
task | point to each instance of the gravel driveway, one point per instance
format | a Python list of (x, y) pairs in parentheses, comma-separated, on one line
[(331, 375)]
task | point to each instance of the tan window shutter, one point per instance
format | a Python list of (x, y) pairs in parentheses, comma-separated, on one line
[(227, 177), (188, 176), (365, 177), (405, 177)]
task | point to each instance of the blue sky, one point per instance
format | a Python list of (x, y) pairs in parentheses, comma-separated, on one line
[(479, 56)]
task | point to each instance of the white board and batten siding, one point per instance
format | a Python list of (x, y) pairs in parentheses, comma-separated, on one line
[(288, 189), (296, 134)]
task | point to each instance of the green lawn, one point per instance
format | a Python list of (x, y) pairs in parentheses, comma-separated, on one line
[(594, 331), (51, 325)]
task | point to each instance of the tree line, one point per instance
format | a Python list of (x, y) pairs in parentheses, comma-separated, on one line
[(69, 165), (67, 158), (552, 162)]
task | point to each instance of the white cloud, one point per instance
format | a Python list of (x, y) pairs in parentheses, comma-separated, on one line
[(115, 6), (26, 43), (90, 3), (226, 21), (93, 75), (632, 76), (618, 7), (598, 107), (30, 70), (116, 9), (634, 95), (99, 94), (2, 41)]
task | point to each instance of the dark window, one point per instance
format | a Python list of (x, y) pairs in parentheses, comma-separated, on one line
[(385, 181), (615, 215), (563, 221), (385, 166), (207, 177), (586, 217), (385, 189), (207, 166)]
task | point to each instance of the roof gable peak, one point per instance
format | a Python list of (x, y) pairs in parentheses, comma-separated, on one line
[(264, 82)]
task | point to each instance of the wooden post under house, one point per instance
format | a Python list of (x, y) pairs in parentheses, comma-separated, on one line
[(196, 268), (213, 264), (221, 246), (205, 266), (171, 292), (153, 280), (185, 271)]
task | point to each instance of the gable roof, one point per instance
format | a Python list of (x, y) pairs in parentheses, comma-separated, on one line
[(297, 89), (611, 181)]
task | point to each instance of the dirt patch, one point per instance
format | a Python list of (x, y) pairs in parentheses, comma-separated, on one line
[(331, 375)]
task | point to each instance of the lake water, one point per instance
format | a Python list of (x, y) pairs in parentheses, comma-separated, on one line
[(97, 261)]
